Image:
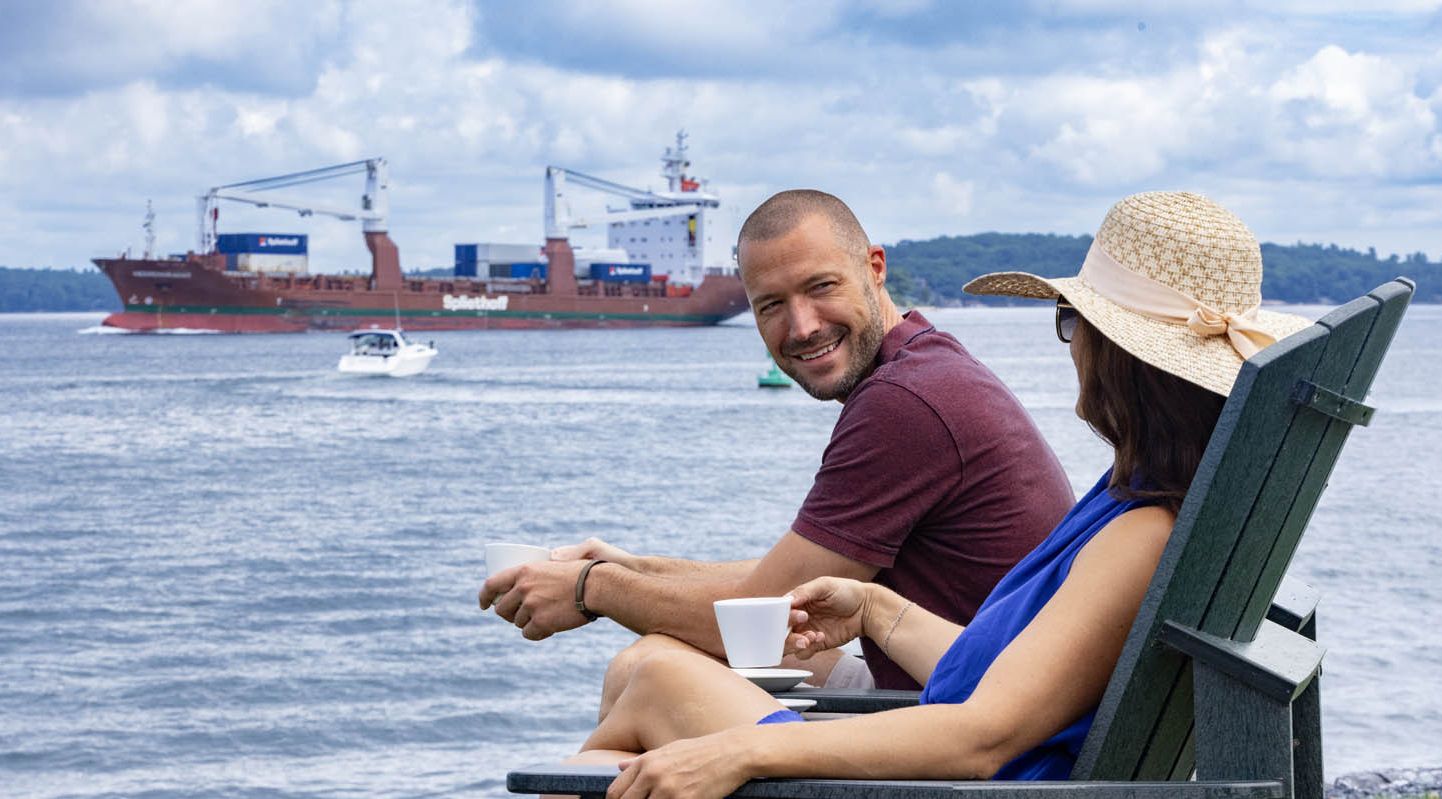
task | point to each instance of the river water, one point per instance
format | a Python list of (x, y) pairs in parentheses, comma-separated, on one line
[(229, 570)]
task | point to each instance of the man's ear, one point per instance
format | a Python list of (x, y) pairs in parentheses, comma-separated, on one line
[(876, 265)]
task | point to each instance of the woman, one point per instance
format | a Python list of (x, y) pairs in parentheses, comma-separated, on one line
[(1159, 320)]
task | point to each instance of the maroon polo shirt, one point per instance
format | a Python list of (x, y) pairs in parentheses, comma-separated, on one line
[(937, 475)]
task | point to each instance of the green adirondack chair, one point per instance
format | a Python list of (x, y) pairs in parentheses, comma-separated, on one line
[(1216, 691)]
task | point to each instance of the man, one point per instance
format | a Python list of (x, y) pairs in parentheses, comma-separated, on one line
[(935, 481)]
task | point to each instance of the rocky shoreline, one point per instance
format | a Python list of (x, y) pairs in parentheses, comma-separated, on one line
[(1401, 782)]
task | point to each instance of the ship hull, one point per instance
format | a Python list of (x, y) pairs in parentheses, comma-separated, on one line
[(198, 294)]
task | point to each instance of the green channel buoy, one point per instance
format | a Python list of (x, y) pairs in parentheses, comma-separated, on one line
[(775, 378)]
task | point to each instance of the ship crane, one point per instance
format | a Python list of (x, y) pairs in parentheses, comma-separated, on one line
[(684, 197), (644, 204), (373, 211)]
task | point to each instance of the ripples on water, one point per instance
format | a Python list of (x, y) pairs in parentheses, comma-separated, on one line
[(229, 570)]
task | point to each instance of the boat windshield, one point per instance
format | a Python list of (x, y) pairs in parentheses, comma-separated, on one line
[(374, 343)]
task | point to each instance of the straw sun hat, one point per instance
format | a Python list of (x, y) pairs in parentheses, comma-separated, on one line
[(1172, 278)]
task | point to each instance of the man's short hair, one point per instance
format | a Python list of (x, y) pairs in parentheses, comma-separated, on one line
[(781, 214)]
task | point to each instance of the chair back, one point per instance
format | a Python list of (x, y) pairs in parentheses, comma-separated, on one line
[(1264, 469)]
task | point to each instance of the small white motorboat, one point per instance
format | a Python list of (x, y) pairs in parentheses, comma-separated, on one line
[(385, 352)]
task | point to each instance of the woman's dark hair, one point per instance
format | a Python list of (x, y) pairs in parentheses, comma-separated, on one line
[(1158, 423)]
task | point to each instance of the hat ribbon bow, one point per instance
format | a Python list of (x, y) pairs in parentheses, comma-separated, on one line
[(1143, 295)]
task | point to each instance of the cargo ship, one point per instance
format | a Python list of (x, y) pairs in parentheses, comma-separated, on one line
[(660, 267)]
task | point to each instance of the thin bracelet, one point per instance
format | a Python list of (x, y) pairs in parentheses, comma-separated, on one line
[(886, 642), (581, 591)]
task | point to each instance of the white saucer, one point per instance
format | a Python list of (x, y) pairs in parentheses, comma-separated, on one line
[(796, 704), (774, 679)]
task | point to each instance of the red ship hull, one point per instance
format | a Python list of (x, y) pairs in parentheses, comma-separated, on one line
[(198, 293)]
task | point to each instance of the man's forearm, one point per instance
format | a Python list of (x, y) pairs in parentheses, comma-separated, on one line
[(674, 606), (683, 569)]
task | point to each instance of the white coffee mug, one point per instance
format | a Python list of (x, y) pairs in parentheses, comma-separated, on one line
[(500, 557), (753, 630)]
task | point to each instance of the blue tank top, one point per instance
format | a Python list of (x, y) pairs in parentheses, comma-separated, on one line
[(1008, 610)]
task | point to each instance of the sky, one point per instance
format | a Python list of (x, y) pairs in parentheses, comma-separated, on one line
[(1312, 121)]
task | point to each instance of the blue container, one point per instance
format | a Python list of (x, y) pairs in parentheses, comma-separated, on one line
[(531, 270), (267, 243), (466, 260), (621, 273)]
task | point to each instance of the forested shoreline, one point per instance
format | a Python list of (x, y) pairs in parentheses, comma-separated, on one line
[(932, 272), (929, 272)]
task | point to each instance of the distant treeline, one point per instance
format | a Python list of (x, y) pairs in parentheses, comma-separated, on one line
[(55, 290), (932, 272), (928, 272)]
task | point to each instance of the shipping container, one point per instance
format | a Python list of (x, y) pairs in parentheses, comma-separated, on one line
[(621, 273), (526, 271), (495, 253), (267, 243), (263, 262), (585, 256), (466, 260)]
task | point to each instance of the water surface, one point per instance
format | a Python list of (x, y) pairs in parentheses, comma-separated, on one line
[(230, 570)]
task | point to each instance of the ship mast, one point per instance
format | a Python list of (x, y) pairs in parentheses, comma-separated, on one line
[(149, 227), (674, 163)]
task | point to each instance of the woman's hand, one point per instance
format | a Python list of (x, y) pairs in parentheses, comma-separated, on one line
[(709, 766), (595, 549), (832, 613)]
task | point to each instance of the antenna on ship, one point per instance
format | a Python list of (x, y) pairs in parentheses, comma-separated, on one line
[(675, 164), (149, 227)]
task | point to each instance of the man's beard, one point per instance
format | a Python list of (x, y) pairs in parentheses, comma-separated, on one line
[(864, 346)]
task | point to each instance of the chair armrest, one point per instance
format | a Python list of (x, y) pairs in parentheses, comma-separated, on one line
[(1278, 663), (854, 700), (1295, 607), (592, 781)]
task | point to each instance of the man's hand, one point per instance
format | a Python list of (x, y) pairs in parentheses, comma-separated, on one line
[(595, 549), (539, 598)]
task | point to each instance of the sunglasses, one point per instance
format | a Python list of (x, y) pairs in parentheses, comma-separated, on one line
[(1066, 318)]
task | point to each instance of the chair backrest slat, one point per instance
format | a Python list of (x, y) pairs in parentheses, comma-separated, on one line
[(1289, 491), (1238, 528), (1341, 371)]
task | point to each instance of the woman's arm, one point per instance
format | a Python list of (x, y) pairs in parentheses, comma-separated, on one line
[(838, 610), (912, 636), (1050, 675)]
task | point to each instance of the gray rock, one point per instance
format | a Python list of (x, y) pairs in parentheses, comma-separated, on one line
[(1392, 782)]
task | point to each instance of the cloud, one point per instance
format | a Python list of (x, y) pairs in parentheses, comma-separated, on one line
[(929, 118), (1355, 114), (643, 40), (68, 47), (952, 196)]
